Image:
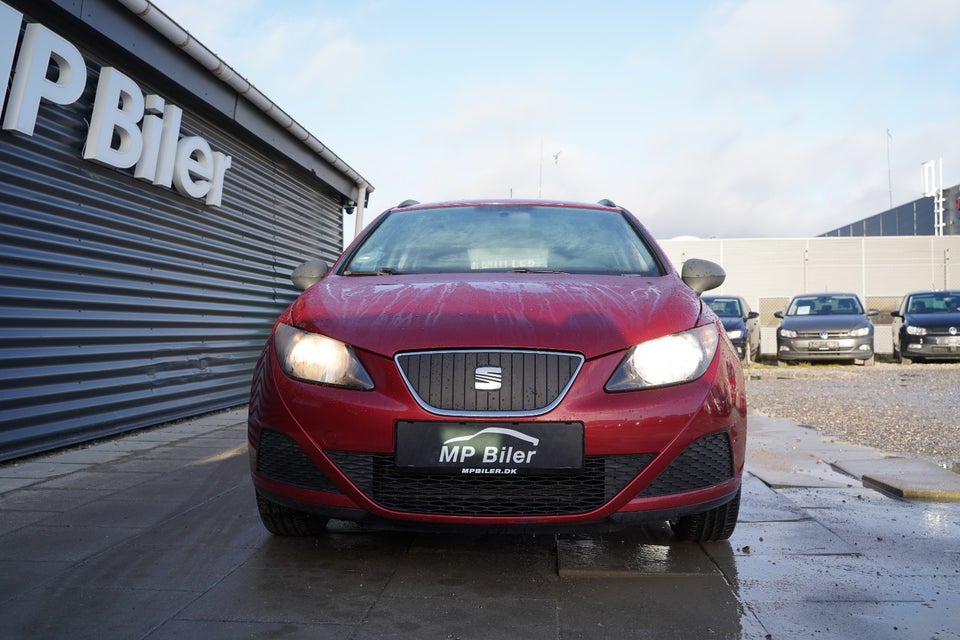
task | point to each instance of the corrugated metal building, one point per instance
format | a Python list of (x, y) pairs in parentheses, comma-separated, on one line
[(917, 218), (152, 206)]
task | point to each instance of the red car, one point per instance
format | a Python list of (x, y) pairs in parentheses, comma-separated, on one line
[(500, 365)]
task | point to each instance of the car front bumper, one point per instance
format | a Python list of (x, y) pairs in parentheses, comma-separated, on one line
[(931, 346), (809, 349), (674, 450)]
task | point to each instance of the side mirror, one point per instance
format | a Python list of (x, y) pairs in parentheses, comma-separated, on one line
[(873, 312), (896, 314), (702, 275), (778, 314), (309, 273), (752, 315)]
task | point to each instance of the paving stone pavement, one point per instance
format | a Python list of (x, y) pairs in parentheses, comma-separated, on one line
[(155, 535)]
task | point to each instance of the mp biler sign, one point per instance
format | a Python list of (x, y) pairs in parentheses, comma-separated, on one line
[(127, 128)]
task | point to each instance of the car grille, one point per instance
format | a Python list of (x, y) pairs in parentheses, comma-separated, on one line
[(377, 476), (489, 383), (704, 463), (823, 335), (281, 459)]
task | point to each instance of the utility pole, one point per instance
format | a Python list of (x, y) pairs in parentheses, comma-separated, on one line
[(540, 182)]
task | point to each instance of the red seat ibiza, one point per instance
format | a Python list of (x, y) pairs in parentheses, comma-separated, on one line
[(500, 365)]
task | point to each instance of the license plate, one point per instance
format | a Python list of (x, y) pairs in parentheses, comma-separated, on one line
[(952, 341), (823, 346), (495, 448)]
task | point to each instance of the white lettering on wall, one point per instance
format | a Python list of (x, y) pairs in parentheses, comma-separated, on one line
[(127, 128), (117, 109), (9, 34), (40, 48)]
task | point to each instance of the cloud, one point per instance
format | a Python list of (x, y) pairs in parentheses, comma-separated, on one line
[(770, 40), (743, 118)]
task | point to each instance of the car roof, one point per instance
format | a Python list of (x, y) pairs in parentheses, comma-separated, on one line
[(825, 294), (604, 204), (953, 292)]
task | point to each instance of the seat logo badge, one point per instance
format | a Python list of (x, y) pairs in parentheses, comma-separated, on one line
[(487, 378)]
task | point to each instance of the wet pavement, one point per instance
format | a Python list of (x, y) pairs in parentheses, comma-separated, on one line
[(155, 535)]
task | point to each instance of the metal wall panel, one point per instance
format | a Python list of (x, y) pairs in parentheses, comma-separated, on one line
[(123, 304), (915, 218)]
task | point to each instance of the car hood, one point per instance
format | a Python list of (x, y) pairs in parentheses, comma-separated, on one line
[(591, 315), (825, 323), (930, 320), (732, 324)]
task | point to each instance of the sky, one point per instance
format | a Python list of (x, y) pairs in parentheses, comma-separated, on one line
[(713, 119)]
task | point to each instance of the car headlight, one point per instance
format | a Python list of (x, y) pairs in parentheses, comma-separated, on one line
[(316, 358), (862, 331), (916, 331), (788, 333), (672, 359), (733, 334)]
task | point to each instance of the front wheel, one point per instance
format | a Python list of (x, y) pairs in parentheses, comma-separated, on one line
[(716, 524), (281, 520)]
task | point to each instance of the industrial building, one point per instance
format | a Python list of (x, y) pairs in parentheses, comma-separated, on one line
[(937, 214), (152, 206)]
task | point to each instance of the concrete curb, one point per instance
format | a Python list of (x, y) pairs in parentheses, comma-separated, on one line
[(914, 479), (786, 454)]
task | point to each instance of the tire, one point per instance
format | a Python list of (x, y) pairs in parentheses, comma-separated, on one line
[(281, 520), (869, 362), (898, 354), (716, 524)]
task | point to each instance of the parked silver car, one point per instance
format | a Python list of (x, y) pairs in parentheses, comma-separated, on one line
[(825, 326)]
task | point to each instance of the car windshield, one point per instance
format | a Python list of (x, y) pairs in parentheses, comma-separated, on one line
[(934, 302), (825, 305), (498, 238), (726, 307)]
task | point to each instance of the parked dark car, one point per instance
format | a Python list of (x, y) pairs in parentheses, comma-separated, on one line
[(500, 365), (825, 326), (927, 326), (741, 324)]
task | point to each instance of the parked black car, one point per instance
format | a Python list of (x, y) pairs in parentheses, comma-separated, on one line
[(825, 326), (927, 326), (741, 324)]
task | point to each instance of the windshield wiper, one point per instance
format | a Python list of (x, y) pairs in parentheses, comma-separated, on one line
[(527, 270), (382, 271)]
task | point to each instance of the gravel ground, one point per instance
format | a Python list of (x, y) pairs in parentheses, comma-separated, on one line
[(905, 409)]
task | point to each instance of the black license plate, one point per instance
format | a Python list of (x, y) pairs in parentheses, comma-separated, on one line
[(496, 448)]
